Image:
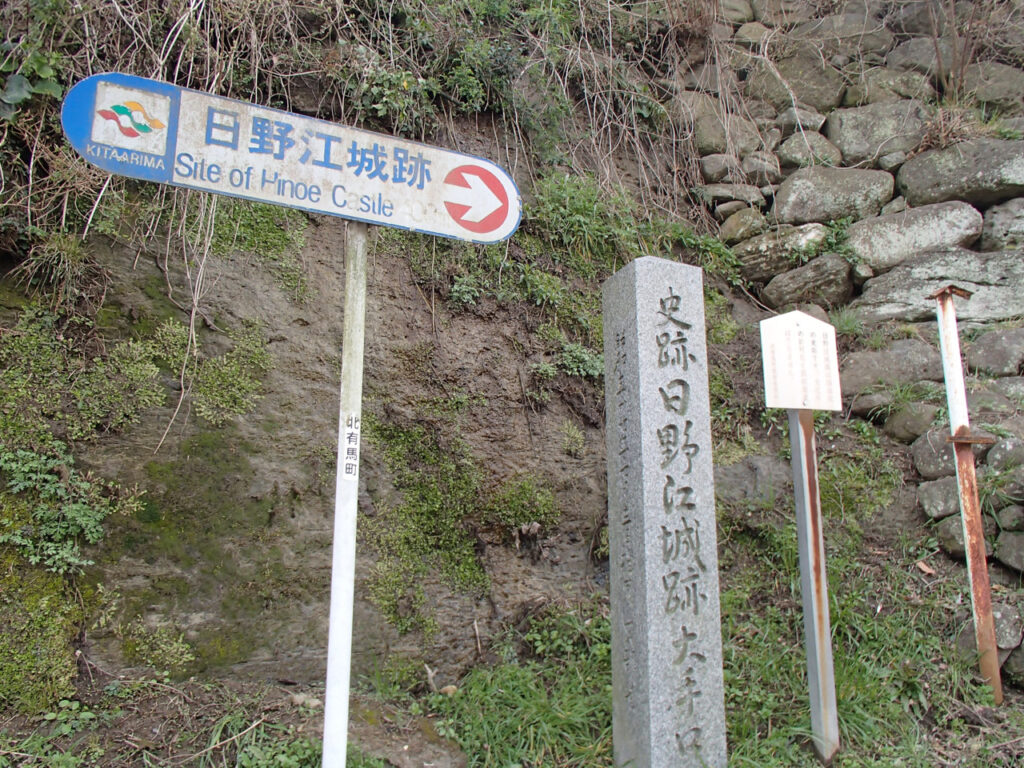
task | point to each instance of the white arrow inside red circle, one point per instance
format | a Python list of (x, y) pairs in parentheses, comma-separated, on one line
[(477, 197)]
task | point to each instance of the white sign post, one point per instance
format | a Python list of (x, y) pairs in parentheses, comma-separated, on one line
[(801, 374), (346, 494), (155, 131)]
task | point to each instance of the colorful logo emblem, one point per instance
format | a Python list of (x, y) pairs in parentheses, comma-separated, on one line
[(131, 119)]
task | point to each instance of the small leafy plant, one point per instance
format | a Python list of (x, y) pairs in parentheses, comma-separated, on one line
[(522, 501), (576, 360), (572, 439), (71, 717), (159, 648), (230, 384), (465, 291), (35, 75), (59, 511)]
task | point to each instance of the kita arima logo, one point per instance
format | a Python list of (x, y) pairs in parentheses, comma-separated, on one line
[(131, 119)]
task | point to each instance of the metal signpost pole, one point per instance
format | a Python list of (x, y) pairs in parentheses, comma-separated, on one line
[(156, 131), (801, 374), (967, 483), (814, 585), (343, 561)]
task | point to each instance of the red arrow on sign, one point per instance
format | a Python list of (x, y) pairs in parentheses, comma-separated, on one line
[(475, 198)]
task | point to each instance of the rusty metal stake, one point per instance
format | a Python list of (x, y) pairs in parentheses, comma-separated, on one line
[(970, 512), (814, 586)]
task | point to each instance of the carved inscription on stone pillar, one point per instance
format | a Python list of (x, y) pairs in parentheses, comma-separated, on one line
[(666, 631)]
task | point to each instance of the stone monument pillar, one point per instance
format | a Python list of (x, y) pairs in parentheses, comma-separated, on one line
[(668, 696)]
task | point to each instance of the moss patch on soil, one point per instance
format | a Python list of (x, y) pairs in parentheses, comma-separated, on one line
[(39, 617), (271, 233), (428, 530), (199, 511), (202, 494)]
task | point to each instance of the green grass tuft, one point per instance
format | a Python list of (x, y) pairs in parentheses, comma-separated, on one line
[(548, 703)]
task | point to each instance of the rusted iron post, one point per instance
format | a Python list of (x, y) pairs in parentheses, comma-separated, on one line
[(801, 374), (967, 483), (814, 586)]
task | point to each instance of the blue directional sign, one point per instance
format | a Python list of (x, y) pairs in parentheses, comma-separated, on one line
[(151, 130)]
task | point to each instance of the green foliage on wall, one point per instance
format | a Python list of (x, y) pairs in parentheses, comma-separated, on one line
[(522, 501), (591, 232), (444, 499), (229, 385), (159, 648), (49, 389)]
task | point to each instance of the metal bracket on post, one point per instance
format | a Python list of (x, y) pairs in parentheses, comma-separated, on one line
[(967, 483)]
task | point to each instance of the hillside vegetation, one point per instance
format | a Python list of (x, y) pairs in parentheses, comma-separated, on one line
[(169, 367)]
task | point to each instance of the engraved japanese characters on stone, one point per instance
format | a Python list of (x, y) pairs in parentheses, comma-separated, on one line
[(668, 695)]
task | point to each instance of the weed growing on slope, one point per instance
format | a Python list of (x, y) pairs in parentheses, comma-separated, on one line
[(60, 269), (159, 648), (465, 291), (592, 232), (705, 251), (902, 395), (547, 703), (847, 322), (522, 501), (230, 384), (573, 439), (49, 388), (577, 360), (721, 327), (50, 510)]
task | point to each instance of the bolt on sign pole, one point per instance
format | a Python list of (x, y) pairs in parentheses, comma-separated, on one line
[(156, 131), (801, 373), (967, 484), (346, 495)]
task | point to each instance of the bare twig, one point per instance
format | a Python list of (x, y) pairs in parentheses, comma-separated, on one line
[(430, 678), (95, 205)]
